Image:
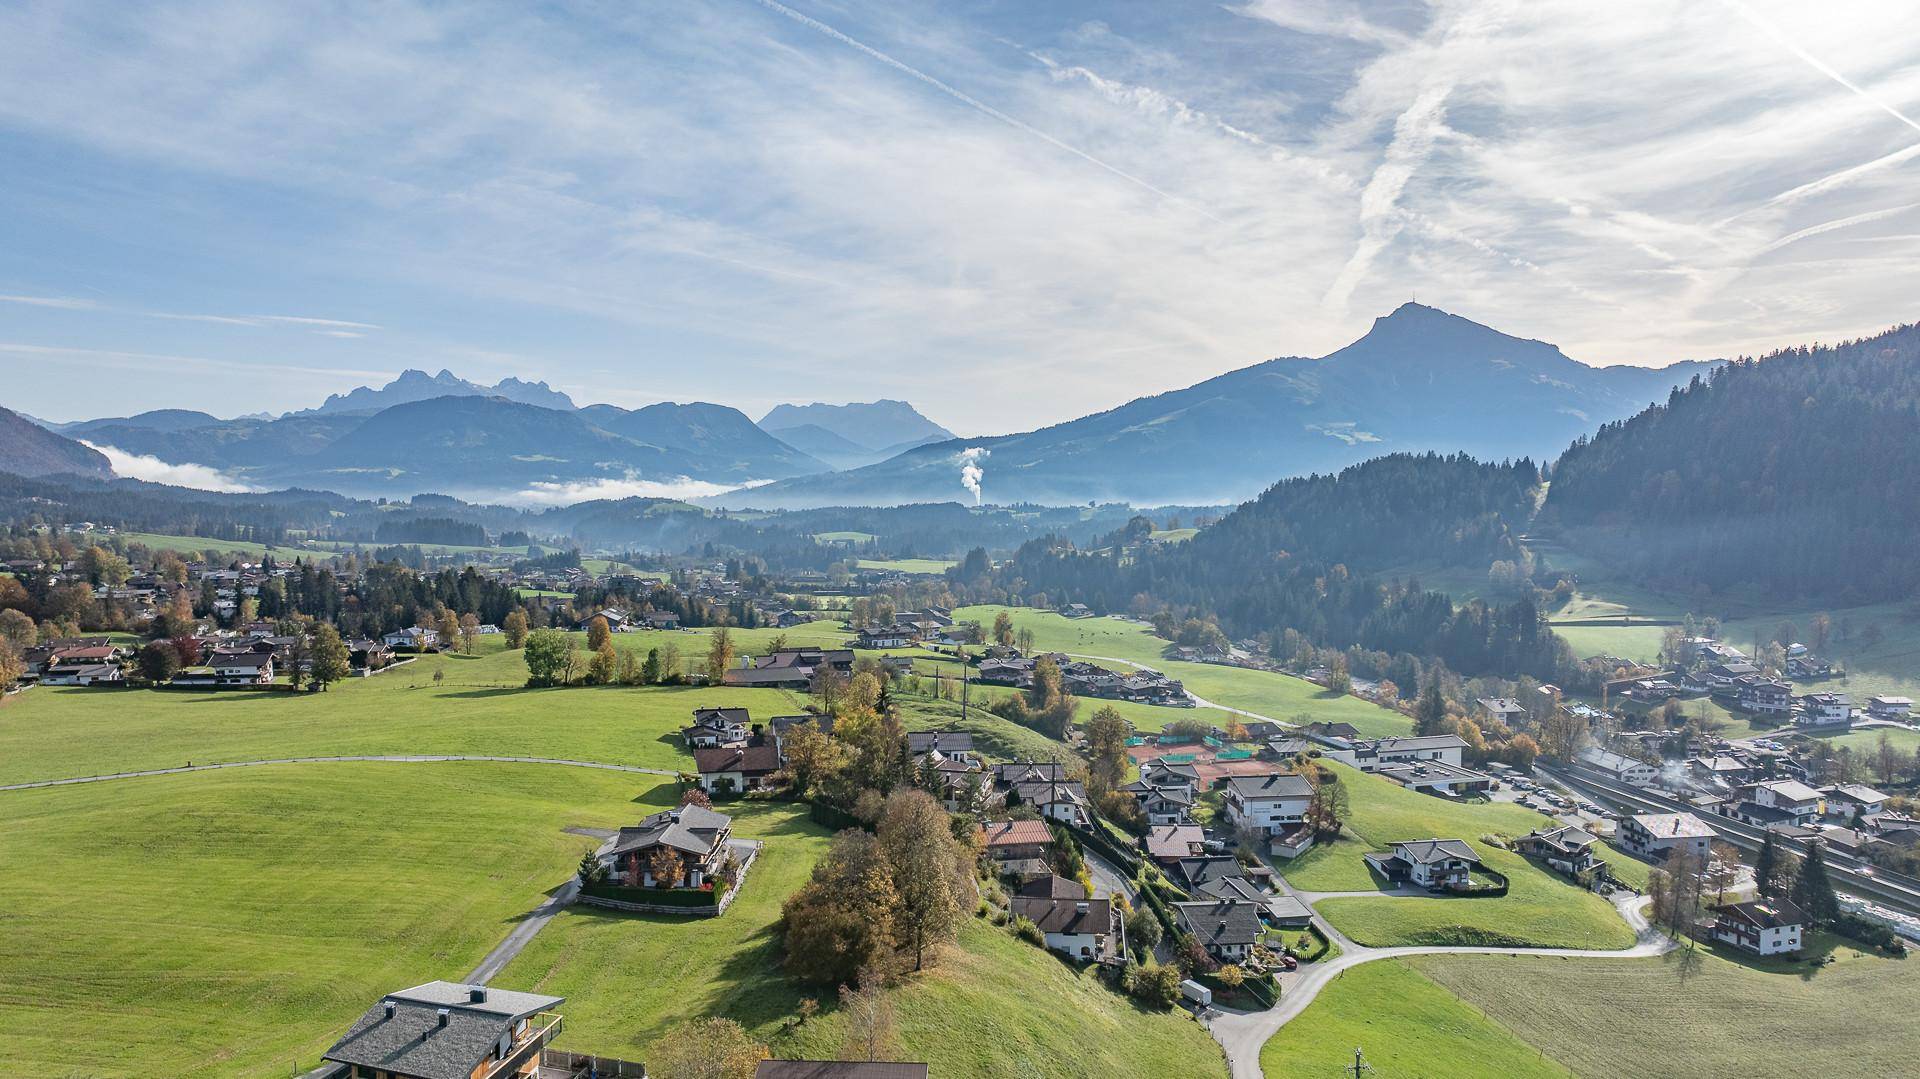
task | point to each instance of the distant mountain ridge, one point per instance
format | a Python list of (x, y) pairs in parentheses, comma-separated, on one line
[(28, 449), (1420, 380), (413, 385), (853, 434)]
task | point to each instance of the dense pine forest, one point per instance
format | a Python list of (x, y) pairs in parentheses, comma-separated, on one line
[(1793, 475), (1308, 555)]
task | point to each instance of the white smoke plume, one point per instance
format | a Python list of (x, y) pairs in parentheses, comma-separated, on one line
[(140, 466), (970, 470)]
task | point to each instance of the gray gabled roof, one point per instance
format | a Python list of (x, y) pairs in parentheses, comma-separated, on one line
[(412, 1042), (1220, 922), (1277, 785), (1416, 851), (690, 828)]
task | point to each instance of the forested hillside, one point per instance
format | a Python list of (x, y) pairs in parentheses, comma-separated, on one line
[(1795, 474), (1303, 557)]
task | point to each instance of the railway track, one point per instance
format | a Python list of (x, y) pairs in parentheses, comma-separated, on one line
[(1850, 874)]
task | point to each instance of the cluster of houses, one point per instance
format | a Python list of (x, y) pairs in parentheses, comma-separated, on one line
[(253, 655), (1002, 665), (1767, 788), (1431, 764), (909, 629), (1725, 674)]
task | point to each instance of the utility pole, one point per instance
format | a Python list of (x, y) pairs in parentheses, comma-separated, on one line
[(1360, 1066), (964, 683)]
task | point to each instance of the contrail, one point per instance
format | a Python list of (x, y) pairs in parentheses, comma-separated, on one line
[(978, 105), (1815, 62)]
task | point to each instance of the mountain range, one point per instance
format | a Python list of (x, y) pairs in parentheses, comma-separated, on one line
[(1421, 379), (852, 435), (27, 449)]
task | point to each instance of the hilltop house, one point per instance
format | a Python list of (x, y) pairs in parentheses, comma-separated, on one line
[(1434, 864), (1567, 848), (698, 836), (441, 1030), (1762, 926)]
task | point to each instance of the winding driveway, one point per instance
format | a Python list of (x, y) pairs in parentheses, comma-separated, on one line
[(1243, 1034), (409, 758)]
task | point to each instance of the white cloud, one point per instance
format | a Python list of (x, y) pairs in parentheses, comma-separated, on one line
[(543, 493), (64, 303), (909, 206), (139, 466)]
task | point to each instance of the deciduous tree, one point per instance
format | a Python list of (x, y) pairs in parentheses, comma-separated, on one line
[(705, 1049), (331, 660)]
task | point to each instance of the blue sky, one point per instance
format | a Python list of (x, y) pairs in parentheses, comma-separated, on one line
[(1010, 213)]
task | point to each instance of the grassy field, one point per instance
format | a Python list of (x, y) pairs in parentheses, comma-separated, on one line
[(233, 923), (1713, 1017), (1173, 535), (1276, 695), (928, 567), (1406, 1025), (1540, 908), (844, 537), (182, 544)]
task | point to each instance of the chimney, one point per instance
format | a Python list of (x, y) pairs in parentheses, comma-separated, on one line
[(476, 994), (445, 1014), (391, 1008)]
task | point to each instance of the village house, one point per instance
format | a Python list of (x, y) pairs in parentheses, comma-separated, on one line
[(1045, 787), (414, 639), (1503, 710), (1168, 843), (1894, 708), (1619, 767), (1018, 847), (1847, 802), (1799, 802), (1761, 926), (1197, 872), (661, 620), (699, 837), (1656, 835), (736, 770), (1567, 849), (1228, 930), (229, 670), (1161, 805), (82, 673), (1765, 697), (781, 727), (1825, 710), (1436, 777), (789, 668), (1071, 923), (897, 635), (1433, 864), (942, 745), (1272, 806), (617, 621), (442, 1030), (717, 728), (1442, 748)]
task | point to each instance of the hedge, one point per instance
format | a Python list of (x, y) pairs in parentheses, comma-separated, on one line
[(1869, 932), (665, 897), (834, 818)]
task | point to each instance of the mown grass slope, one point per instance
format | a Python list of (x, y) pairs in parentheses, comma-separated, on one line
[(1405, 1025)]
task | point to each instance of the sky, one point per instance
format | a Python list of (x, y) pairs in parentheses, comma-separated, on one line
[(1009, 213)]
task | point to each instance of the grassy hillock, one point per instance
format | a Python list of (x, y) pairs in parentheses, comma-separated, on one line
[(1277, 695), (1406, 1025), (1540, 908), (1707, 1016), (234, 923)]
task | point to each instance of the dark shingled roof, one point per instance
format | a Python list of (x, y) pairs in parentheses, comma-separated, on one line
[(1220, 922), (411, 1042), (750, 760), (690, 828)]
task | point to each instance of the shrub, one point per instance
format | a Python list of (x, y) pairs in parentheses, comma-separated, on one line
[(1154, 984), (1027, 931), (1869, 932)]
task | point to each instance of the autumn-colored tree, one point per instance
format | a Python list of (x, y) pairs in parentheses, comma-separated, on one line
[(1107, 734), (330, 659), (842, 920), (515, 628), (719, 655), (813, 759), (705, 1049), (469, 632), (919, 848), (448, 627), (601, 668), (598, 632), (665, 866), (694, 796), (17, 628), (1003, 628)]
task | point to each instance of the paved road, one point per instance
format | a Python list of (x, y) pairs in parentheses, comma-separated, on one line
[(1242, 1034), (1107, 876), (394, 759), (502, 954)]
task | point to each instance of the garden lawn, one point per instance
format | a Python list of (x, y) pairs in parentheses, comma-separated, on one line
[(1266, 693), (1711, 1017), (1541, 909), (235, 923), (1406, 1025)]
